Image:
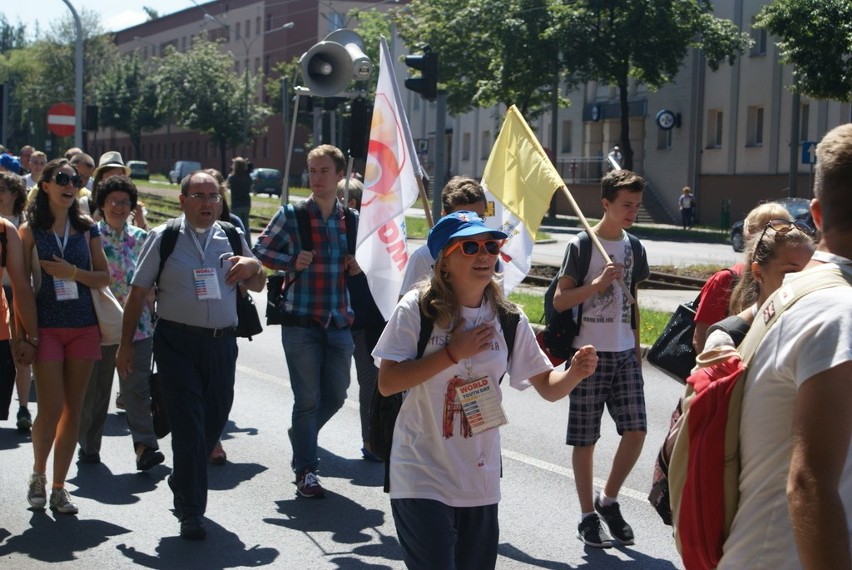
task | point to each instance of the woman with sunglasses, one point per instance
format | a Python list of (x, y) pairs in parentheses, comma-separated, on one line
[(715, 296), (444, 468), (782, 247), (71, 260)]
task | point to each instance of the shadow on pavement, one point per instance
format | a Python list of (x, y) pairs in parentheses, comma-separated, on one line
[(221, 549), (57, 539), (618, 557)]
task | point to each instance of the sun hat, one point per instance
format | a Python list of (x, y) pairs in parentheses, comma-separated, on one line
[(458, 224), (111, 159)]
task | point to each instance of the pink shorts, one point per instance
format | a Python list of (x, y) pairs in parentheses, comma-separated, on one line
[(60, 343)]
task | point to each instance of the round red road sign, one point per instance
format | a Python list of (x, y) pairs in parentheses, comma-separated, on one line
[(61, 119)]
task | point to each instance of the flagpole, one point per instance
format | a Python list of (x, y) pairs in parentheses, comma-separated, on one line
[(425, 202), (596, 242)]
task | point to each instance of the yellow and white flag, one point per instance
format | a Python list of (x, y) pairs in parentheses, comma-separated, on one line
[(390, 187), (519, 179)]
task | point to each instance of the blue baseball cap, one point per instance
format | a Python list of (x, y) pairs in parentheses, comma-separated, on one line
[(10, 163), (458, 224)]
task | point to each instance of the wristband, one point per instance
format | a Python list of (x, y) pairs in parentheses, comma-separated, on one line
[(73, 275), (30, 342), (449, 354)]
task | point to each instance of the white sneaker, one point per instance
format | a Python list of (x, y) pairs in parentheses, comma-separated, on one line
[(60, 501), (36, 494)]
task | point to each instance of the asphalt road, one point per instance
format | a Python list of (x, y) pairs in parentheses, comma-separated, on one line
[(255, 519)]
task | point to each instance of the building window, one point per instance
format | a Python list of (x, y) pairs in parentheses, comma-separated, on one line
[(268, 22), (485, 146), (714, 128), (664, 139), (566, 137), (248, 28), (466, 146), (804, 122), (758, 38), (237, 31), (754, 126), (257, 25)]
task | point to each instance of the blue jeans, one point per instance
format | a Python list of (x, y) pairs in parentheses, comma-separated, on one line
[(318, 360)]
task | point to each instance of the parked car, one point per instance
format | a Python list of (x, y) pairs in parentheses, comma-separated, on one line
[(266, 181), (181, 169), (799, 209), (138, 169)]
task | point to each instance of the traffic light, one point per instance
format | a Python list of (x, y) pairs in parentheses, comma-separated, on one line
[(427, 83)]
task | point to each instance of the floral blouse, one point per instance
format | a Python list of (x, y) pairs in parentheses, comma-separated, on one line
[(122, 252)]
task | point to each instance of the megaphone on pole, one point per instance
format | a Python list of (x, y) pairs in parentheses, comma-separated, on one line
[(329, 66)]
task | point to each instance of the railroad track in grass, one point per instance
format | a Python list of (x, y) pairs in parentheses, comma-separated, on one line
[(541, 276)]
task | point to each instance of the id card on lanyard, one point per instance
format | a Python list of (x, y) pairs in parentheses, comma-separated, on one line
[(66, 289), (205, 278)]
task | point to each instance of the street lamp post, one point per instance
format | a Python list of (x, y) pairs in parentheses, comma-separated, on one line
[(247, 45), (78, 77)]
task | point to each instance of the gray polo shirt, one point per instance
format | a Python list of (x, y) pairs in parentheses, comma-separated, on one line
[(177, 300)]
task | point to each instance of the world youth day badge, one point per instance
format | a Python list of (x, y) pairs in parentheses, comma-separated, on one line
[(480, 402)]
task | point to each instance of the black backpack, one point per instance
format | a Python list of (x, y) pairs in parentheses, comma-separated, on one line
[(385, 409), (562, 327)]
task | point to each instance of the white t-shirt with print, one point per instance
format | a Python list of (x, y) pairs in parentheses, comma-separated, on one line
[(606, 315), (813, 336), (431, 458)]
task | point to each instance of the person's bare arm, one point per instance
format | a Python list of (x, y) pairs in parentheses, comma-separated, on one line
[(133, 307), (568, 294), (557, 384), (699, 337), (822, 428)]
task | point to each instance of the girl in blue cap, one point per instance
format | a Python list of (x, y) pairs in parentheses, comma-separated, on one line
[(445, 457)]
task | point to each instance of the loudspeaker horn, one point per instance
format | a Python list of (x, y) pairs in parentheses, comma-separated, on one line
[(329, 66)]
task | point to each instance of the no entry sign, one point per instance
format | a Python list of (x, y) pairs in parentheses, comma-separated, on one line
[(61, 119)]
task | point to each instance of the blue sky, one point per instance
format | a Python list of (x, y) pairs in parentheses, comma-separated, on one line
[(115, 15)]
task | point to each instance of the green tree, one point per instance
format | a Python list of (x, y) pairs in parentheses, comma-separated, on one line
[(611, 41), (815, 36), (11, 37), (44, 72), (127, 99), (489, 51), (200, 91)]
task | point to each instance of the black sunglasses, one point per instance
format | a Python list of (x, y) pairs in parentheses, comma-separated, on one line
[(472, 247), (63, 179)]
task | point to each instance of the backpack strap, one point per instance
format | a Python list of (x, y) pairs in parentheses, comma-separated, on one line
[(351, 222), (638, 250), (3, 243), (303, 223), (233, 237), (167, 243)]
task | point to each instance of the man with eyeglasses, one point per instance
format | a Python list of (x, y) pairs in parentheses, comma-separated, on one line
[(195, 345), (316, 334), (795, 483)]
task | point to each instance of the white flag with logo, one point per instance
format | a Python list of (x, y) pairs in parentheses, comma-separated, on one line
[(390, 187)]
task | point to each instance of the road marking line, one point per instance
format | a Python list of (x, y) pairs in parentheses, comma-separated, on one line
[(520, 457)]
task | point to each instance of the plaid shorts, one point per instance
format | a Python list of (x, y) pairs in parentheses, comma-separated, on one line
[(616, 383)]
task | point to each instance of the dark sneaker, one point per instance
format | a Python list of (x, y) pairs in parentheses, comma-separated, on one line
[(192, 528), (25, 420), (612, 517), (592, 533), (308, 485), (90, 458), (60, 501)]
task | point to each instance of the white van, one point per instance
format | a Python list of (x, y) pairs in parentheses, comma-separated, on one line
[(181, 169)]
